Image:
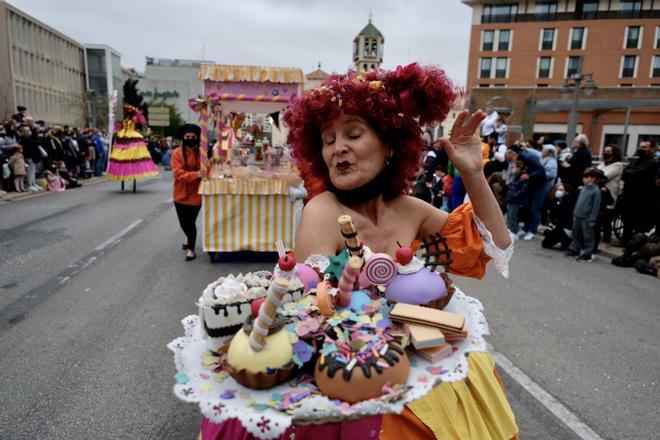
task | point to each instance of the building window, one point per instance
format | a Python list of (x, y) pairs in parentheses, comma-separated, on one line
[(586, 9), (485, 67), (655, 71), (633, 37), (630, 8), (542, 85), (577, 38), (628, 66), (504, 40), (545, 67), (547, 39), (501, 67), (573, 66), (487, 44), (500, 13), (545, 11), (657, 37)]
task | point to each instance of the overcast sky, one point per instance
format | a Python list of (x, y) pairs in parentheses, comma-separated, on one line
[(297, 33)]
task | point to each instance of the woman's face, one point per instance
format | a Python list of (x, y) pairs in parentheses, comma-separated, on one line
[(608, 151), (190, 136), (352, 151)]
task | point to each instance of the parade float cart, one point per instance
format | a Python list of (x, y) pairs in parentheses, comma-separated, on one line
[(248, 213), (245, 211)]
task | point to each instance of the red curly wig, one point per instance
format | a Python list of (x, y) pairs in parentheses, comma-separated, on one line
[(394, 103)]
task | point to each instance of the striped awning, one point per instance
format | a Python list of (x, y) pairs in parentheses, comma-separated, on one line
[(251, 186), (223, 72)]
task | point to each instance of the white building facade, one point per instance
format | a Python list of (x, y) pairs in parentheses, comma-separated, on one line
[(41, 69), (172, 81)]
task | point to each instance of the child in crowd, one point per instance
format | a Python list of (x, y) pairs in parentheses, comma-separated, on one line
[(516, 197), (447, 182), (437, 189), (585, 215), (55, 182), (562, 203), (18, 168)]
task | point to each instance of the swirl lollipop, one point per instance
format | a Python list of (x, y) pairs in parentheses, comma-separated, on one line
[(380, 269)]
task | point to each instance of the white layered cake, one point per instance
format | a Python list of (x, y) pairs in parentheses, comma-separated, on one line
[(226, 304)]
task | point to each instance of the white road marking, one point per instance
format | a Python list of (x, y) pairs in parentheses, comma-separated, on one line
[(115, 238), (553, 405)]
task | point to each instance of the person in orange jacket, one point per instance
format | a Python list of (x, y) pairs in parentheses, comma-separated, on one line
[(187, 177)]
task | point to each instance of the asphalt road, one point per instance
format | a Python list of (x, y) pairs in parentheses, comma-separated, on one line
[(84, 321)]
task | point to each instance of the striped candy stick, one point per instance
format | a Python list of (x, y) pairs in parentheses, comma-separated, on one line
[(267, 312), (204, 141), (347, 280), (349, 233)]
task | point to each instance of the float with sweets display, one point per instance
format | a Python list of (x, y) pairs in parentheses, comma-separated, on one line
[(247, 203)]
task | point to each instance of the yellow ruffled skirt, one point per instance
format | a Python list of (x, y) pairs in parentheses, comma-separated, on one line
[(475, 408)]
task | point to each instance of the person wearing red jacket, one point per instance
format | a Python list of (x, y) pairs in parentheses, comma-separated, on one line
[(187, 177)]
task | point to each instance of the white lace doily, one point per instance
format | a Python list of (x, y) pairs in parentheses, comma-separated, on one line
[(220, 397)]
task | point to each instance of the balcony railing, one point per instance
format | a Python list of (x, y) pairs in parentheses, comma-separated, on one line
[(566, 16)]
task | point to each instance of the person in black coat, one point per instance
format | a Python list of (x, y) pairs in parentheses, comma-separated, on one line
[(579, 161), (561, 217), (638, 191)]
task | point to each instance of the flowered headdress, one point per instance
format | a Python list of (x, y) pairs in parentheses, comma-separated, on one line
[(394, 103)]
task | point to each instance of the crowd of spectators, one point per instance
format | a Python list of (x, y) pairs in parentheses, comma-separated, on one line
[(581, 200), (36, 156)]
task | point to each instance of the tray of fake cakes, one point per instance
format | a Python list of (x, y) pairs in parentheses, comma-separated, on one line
[(334, 338)]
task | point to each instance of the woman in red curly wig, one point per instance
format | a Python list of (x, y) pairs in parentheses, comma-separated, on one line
[(357, 141)]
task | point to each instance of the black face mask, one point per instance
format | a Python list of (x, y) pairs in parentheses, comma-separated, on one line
[(642, 153), (190, 143)]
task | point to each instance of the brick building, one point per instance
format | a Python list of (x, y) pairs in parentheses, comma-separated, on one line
[(522, 53)]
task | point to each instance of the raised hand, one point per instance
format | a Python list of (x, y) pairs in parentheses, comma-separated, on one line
[(464, 144)]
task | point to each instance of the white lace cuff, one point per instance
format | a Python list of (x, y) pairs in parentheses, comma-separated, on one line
[(500, 257)]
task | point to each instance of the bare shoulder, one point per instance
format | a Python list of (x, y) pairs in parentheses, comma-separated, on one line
[(322, 206), (319, 220), (429, 218)]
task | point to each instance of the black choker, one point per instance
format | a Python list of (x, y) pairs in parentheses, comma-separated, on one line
[(365, 193)]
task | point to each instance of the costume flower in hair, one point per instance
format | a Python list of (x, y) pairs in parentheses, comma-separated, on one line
[(394, 103)]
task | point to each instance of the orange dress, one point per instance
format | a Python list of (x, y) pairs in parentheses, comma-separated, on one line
[(474, 408)]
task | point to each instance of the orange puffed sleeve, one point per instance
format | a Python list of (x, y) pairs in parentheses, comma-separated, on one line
[(465, 242)]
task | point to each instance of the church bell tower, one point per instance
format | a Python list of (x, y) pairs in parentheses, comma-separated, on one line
[(368, 48)]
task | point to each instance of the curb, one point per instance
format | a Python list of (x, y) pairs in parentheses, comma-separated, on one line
[(15, 197), (604, 250)]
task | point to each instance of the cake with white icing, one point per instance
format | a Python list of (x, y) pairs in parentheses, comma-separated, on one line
[(227, 302)]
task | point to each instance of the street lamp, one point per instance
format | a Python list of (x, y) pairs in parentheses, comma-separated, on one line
[(574, 83)]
